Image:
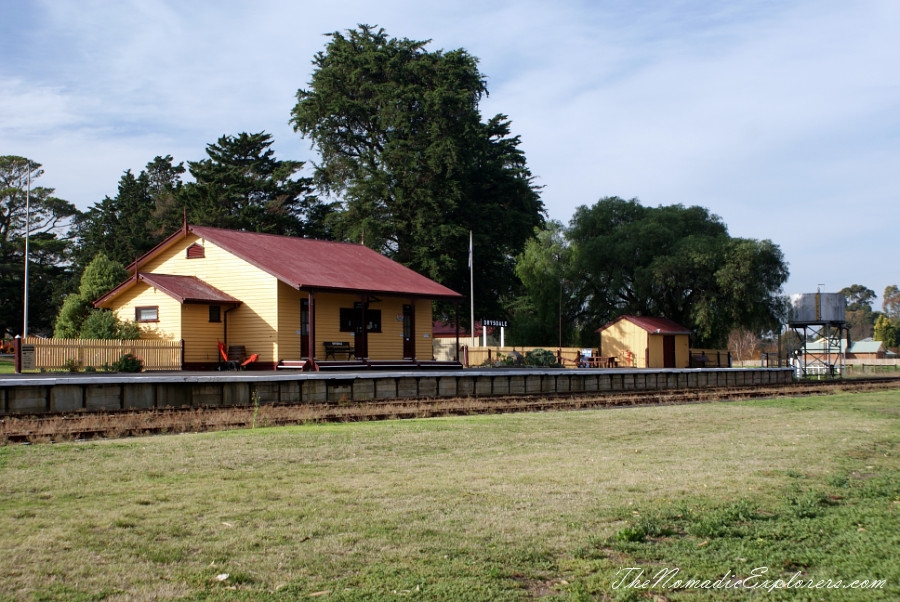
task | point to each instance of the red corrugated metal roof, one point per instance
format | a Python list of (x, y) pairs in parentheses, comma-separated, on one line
[(304, 263), (651, 325), (187, 289)]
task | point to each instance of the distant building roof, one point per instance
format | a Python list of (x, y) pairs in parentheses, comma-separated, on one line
[(867, 345), (443, 330), (651, 325), (822, 345)]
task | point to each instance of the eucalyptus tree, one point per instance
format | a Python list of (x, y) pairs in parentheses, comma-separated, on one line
[(860, 315), (670, 261), (891, 301), (550, 312), (47, 228)]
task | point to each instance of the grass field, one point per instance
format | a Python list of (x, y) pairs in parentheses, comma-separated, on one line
[(510, 507)]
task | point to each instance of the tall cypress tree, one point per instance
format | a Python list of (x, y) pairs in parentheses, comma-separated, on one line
[(404, 148)]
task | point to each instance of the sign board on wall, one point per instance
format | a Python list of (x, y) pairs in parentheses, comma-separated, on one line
[(27, 357)]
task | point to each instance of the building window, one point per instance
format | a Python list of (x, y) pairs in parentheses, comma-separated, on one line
[(348, 319), (146, 314), (215, 313), (196, 251), (350, 315), (373, 320)]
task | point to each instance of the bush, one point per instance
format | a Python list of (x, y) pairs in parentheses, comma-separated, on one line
[(514, 358), (71, 365), (71, 316), (541, 358), (128, 363), (103, 324), (100, 324)]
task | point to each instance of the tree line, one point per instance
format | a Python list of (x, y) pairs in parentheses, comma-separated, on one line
[(864, 321), (407, 166)]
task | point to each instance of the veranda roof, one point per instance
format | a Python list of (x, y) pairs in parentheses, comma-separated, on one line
[(187, 289)]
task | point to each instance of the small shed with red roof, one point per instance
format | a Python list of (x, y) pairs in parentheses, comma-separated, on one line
[(293, 301), (645, 342)]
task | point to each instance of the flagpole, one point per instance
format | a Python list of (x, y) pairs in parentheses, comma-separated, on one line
[(27, 236), (471, 291)]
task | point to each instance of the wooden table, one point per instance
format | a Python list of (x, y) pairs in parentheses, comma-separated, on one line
[(601, 361)]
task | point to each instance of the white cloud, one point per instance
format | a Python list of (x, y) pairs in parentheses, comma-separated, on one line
[(776, 115), (26, 109)]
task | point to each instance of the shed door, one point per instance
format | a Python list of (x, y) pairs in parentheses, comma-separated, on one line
[(668, 351)]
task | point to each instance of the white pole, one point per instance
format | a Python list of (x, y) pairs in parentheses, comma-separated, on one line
[(502, 336), (27, 236), (484, 334), (471, 291)]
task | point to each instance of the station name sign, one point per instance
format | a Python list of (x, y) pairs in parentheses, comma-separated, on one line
[(500, 323)]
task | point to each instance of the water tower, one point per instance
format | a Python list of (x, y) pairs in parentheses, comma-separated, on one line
[(819, 319)]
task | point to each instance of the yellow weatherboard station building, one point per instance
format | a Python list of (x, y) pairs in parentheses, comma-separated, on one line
[(293, 301)]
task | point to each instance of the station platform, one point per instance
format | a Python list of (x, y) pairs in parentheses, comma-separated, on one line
[(51, 393)]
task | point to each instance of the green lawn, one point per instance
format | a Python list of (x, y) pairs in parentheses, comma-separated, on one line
[(510, 507)]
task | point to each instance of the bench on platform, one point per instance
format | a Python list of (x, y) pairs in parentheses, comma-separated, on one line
[(334, 347)]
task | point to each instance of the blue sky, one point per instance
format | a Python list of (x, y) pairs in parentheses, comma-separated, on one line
[(781, 117)]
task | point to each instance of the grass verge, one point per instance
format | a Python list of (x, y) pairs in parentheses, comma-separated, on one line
[(509, 507)]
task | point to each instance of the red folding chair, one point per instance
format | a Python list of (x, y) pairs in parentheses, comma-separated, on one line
[(226, 364)]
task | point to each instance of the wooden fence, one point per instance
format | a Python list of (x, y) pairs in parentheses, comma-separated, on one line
[(712, 358), (478, 356), (81, 354)]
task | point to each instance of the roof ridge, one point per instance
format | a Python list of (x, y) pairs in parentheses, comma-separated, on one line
[(318, 240)]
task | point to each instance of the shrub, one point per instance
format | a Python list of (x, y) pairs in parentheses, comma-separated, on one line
[(541, 358), (71, 365), (128, 363), (103, 324), (71, 316), (514, 358)]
